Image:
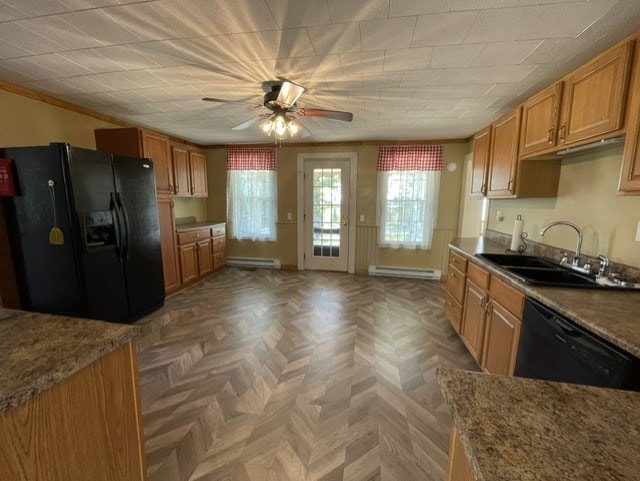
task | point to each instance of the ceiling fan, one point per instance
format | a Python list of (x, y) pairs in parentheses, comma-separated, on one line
[(280, 99)]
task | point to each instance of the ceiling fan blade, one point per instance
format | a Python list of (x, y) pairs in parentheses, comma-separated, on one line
[(289, 94), (226, 101), (327, 114), (250, 122), (305, 132)]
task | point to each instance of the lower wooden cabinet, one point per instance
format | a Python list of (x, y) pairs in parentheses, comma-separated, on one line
[(456, 278), (459, 469), (168, 244), (195, 254), (501, 340), (85, 427), (491, 316), (474, 314), (219, 246)]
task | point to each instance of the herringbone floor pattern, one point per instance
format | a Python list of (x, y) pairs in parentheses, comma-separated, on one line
[(285, 376)]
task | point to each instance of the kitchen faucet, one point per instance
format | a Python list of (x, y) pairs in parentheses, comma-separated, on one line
[(576, 258)]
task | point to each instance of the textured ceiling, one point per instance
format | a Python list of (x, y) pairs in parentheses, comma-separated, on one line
[(407, 69)]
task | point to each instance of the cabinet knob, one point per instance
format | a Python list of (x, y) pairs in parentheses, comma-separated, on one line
[(483, 189), (550, 135), (510, 186)]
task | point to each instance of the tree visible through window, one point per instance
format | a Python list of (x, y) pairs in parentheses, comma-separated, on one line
[(251, 193), (408, 186)]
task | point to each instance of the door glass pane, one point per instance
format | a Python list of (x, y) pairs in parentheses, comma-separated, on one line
[(327, 198)]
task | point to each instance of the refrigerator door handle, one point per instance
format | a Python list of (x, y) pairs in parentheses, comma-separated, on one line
[(127, 228), (118, 226)]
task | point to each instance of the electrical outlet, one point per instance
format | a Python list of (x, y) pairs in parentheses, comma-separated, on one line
[(361, 217), (638, 232), (289, 216), (499, 215)]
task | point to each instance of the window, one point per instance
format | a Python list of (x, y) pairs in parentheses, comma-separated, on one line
[(251, 193), (408, 186)]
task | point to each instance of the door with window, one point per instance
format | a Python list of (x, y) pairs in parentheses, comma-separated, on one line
[(326, 214)]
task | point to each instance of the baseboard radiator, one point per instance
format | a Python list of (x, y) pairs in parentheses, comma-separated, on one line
[(409, 272), (253, 262)]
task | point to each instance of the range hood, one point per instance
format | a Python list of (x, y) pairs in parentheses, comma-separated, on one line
[(592, 146)]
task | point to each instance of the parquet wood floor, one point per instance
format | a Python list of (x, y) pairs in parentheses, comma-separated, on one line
[(298, 376)]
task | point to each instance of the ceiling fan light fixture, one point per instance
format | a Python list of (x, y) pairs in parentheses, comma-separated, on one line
[(281, 126)]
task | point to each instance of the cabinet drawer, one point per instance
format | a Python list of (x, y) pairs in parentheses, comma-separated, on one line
[(455, 283), (458, 261), (478, 275), (453, 311), (510, 298), (218, 230), (192, 236), (219, 260), (219, 244)]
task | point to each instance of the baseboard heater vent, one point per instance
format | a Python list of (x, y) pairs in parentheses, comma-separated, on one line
[(409, 272), (253, 262)]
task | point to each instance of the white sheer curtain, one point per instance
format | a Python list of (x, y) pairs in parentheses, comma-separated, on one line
[(407, 207), (251, 204), (408, 188)]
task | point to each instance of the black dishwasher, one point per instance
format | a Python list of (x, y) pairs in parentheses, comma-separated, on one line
[(554, 348)]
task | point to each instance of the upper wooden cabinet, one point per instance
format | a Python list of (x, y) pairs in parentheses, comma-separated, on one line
[(594, 96), (190, 172), (630, 173), (181, 174), (198, 169), (480, 163), (540, 116), (503, 156), (136, 142)]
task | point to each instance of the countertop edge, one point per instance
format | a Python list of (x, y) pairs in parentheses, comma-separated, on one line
[(519, 415), (67, 367), (197, 225)]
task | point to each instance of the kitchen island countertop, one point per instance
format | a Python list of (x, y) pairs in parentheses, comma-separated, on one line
[(530, 430), (38, 350), (611, 314)]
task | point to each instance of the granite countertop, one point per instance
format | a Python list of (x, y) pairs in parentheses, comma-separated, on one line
[(38, 350), (611, 314), (528, 430)]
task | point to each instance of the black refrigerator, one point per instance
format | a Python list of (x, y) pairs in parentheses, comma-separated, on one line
[(107, 263)]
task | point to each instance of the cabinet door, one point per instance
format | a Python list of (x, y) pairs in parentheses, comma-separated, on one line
[(453, 311), (168, 244), (475, 303), (501, 340), (540, 116), (181, 174), (480, 162), (188, 262), (504, 156), (156, 148), (459, 469), (205, 259), (594, 97), (198, 164), (630, 173)]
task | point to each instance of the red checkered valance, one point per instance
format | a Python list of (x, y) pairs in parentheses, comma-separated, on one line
[(410, 157), (248, 158)]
